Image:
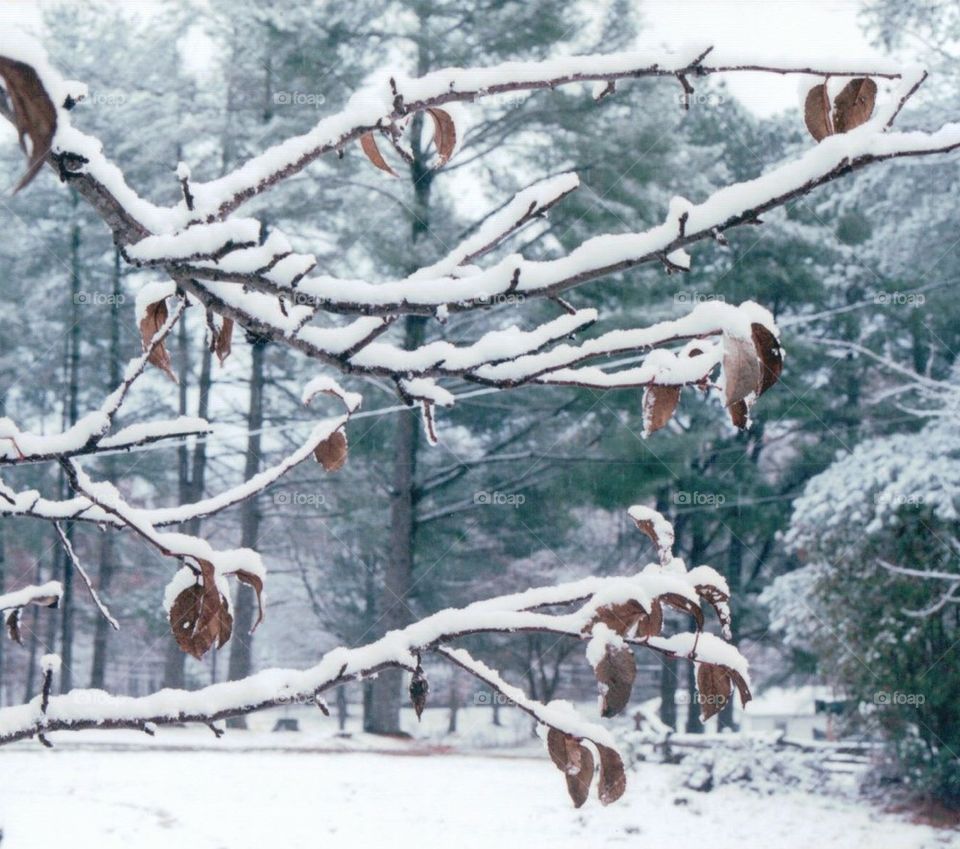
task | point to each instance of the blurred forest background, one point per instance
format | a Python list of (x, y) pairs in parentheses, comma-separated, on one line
[(853, 463)]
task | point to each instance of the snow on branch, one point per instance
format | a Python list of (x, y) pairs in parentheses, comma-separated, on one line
[(612, 615), (226, 266)]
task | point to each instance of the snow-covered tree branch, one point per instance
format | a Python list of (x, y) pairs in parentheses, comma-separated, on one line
[(244, 275)]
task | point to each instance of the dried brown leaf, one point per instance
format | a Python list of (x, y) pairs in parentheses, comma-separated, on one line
[(853, 106), (444, 135), (613, 777), (574, 760), (718, 600), (222, 344), (685, 605), (419, 687), (713, 688), (816, 112), (153, 319), (658, 405), (616, 673), (33, 113), (630, 617), (199, 617), (332, 452), (578, 783), (741, 369), (255, 581), (368, 144), (770, 356), (13, 625)]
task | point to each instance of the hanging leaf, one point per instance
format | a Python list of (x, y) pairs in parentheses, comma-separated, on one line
[(616, 673), (332, 452), (684, 605), (574, 760), (854, 105), (256, 582), (719, 601), (770, 356), (419, 687), (198, 618), (153, 319), (444, 135), (658, 405), (368, 144), (13, 625), (816, 112), (222, 344), (613, 777), (34, 114), (715, 685), (224, 626), (741, 368)]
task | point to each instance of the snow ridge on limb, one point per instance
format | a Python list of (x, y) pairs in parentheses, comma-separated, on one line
[(606, 613)]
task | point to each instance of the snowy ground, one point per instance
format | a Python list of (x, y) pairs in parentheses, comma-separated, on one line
[(254, 789)]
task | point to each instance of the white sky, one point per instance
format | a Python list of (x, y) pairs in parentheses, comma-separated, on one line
[(811, 29)]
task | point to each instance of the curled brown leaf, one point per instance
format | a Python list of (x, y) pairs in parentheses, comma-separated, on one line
[(153, 319), (368, 144), (616, 673), (659, 403), (34, 114)]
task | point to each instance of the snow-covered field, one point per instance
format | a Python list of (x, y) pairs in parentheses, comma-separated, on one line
[(254, 789)]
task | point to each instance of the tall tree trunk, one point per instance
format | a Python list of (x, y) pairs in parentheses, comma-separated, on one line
[(383, 706), (191, 474), (241, 644), (668, 692), (73, 389), (383, 715), (107, 568)]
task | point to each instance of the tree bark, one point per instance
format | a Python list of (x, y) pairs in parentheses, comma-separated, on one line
[(382, 705), (241, 644), (73, 389), (107, 568)]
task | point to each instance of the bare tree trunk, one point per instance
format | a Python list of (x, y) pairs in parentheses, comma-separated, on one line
[(342, 709), (241, 651), (108, 541), (191, 474), (73, 389), (668, 692), (382, 713), (454, 702)]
